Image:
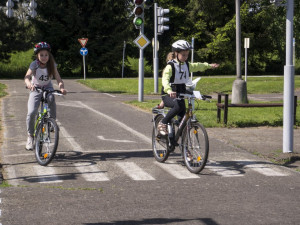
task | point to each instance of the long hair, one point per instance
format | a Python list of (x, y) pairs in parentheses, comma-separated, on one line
[(50, 64), (170, 56)]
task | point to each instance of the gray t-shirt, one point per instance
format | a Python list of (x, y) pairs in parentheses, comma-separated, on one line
[(40, 75)]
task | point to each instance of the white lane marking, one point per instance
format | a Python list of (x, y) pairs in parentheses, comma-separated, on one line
[(223, 171), (70, 103), (134, 171), (124, 126), (114, 140), (47, 174), (176, 170), (109, 95), (75, 146), (11, 172), (91, 172), (261, 168)]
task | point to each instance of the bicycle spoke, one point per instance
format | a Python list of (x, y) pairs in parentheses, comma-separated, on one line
[(46, 141), (195, 146), (159, 143)]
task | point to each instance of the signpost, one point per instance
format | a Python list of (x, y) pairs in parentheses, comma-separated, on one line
[(142, 41), (246, 46), (83, 51)]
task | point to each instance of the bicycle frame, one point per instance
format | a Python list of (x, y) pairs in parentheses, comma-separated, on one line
[(41, 115), (185, 119), (43, 109)]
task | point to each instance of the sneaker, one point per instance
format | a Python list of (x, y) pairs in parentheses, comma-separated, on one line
[(29, 145), (162, 129)]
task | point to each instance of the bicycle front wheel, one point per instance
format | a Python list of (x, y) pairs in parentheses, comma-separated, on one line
[(159, 143), (195, 146), (46, 141)]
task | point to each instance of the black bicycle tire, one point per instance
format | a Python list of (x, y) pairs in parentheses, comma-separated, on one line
[(206, 148), (157, 156), (56, 139)]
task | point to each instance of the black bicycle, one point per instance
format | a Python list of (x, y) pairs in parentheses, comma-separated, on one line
[(46, 130), (194, 144)]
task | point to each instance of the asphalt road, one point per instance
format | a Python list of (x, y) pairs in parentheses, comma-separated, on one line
[(105, 172)]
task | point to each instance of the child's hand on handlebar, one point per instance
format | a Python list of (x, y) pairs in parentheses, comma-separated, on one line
[(63, 91), (30, 87)]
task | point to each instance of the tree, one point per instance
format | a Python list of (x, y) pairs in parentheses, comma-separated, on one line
[(14, 34), (104, 22)]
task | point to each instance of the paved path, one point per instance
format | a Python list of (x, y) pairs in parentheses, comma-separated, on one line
[(105, 172)]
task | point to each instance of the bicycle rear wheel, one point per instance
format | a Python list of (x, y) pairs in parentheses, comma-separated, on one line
[(195, 146), (46, 141), (159, 143)]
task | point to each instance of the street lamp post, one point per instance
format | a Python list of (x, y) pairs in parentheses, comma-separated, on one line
[(289, 70), (239, 87)]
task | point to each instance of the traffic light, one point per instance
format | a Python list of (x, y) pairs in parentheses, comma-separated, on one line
[(138, 13), (161, 20), (9, 11), (32, 7)]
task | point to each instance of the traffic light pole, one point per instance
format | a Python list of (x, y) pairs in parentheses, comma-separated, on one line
[(155, 60), (141, 70)]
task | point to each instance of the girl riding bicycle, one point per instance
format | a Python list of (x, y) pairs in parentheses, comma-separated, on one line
[(39, 74), (175, 76)]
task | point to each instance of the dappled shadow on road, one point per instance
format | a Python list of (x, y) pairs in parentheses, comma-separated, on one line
[(88, 92), (204, 221), (101, 156)]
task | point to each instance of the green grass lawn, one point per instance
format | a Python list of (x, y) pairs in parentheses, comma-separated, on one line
[(2, 90), (206, 112), (19, 64)]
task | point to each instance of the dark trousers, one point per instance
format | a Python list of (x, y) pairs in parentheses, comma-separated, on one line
[(177, 108)]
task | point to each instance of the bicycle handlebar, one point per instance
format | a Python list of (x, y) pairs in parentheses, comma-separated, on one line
[(41, 89), (55, 92), (192, 96)]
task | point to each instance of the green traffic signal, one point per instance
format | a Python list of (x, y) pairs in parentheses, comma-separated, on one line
[(138, 21)]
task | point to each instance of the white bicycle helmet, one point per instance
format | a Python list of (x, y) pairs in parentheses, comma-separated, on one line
[(181, 45)]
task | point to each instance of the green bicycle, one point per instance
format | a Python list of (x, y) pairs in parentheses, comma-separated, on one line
[(46, 130)]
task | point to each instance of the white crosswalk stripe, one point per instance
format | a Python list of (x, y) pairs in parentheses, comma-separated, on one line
[(134, 171), (222, 170), (91, 172), (46, 174), (261, 168), (177, 170)]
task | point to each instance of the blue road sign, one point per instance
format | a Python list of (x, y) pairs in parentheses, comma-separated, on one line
[(83, 51)]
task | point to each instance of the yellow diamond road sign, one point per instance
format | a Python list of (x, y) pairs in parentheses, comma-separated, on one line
[(141, 41)]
